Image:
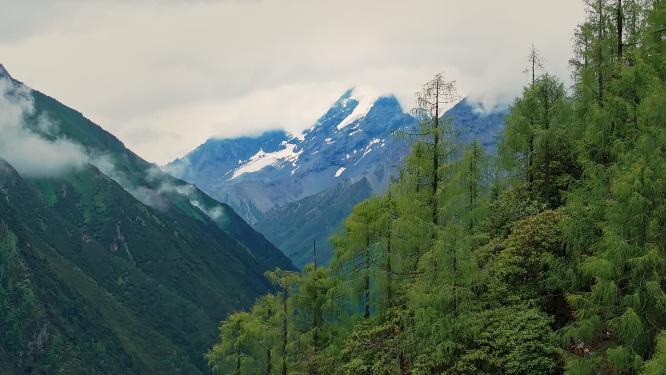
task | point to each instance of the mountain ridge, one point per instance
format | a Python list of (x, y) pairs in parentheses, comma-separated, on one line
[(353, 140), (146, 263)]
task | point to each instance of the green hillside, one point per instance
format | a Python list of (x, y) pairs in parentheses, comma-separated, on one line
[(139, 176), (115, 267)]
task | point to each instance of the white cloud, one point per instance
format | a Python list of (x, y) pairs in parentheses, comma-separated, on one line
[(189, 192), (163, 76), (28, 152), (153, 197)]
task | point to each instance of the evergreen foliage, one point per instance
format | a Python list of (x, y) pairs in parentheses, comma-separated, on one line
[(548, 259)]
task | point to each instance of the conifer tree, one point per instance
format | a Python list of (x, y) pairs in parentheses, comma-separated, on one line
[(436, 132), (358, 250), (539, 119), (233, 354), (286, 281), (618, 290), (469, 265), (312, 304)]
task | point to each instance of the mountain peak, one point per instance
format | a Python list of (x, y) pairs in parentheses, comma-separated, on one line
[(357, 93), (346, 95), (363, 101), (4, 72)]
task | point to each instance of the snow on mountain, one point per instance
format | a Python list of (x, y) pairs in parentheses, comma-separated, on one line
[(256, 175), (364, 102), (261, 160), (261, 177)]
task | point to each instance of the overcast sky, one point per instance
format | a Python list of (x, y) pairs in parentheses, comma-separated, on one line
[(164, 76)]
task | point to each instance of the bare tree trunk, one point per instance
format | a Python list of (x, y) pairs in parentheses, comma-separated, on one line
[(238, 360), (269, 351), (389, 271), (455, 282), (314, 309), (535, 60), (546, 156), (435, 156), (619, 29), (404, 364), (269, 363), (530, 153), (366, 290), (600, 65), (315, 327), (473, 181), (284, 332)]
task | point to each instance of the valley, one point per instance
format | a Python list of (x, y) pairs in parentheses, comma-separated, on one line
[(430, 187), (351, 153)]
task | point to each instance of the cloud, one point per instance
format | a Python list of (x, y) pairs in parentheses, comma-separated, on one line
[(164, 76), (25, 146), (189, 192), (150, 197), (29, 152), (154, 197), (15, 26)]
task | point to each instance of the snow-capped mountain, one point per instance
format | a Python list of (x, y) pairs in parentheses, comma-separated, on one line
[(266, 177), (351, 141)]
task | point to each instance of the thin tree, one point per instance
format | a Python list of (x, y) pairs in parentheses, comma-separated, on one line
[(535, 66), (285, 280), (431, 102), (598, 20), (619, 20), (389, 254)]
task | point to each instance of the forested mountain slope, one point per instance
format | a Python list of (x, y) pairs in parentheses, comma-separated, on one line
[(145, 180), (111, 266), (549, 259)]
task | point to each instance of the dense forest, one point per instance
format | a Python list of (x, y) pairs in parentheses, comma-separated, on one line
[(547, 258)]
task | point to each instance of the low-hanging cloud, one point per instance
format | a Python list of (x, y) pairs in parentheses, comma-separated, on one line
[(106, 164), (154, 197), (164, 76), (33, 151), (28, 151), (189, 192)]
